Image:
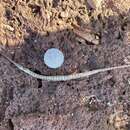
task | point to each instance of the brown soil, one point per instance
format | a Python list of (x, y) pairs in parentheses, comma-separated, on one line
[(28, 28)]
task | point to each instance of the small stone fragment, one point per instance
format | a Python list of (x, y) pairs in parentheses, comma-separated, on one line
[(8, 27), (64, 14), (3, 40), (119, 120), (92, 103), (128, 38), (94, 3)]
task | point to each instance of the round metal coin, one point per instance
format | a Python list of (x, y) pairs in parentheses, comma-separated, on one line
[(54, 58)]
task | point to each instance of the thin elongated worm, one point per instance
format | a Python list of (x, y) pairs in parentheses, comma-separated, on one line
[(62, 77)]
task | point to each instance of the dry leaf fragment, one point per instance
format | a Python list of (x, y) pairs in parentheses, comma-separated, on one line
[(87, 35)]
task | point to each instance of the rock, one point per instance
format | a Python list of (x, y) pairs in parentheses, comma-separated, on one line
[(94, 3), (64, 14)]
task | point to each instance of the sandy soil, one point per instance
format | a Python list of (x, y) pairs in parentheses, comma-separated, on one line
[(28, 28)]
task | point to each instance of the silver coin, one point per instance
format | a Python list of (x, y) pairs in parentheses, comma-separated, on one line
[(54, 58)]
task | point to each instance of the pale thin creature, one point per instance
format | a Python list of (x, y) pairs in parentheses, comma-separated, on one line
[(62, 77)]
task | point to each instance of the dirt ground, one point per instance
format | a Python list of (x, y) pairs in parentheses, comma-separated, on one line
[(28, 28)]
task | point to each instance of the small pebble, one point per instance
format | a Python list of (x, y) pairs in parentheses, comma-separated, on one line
[(64, 14), (94, 3)]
